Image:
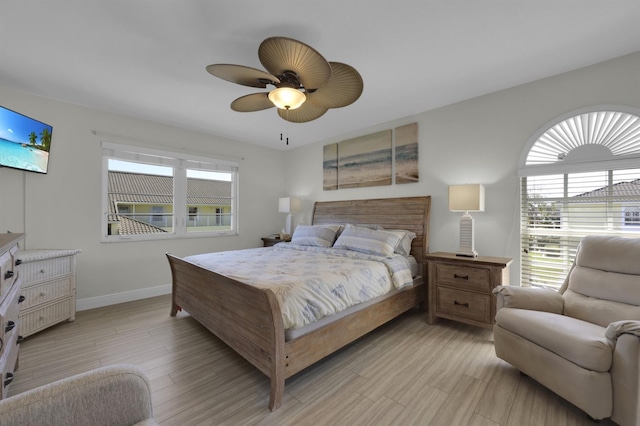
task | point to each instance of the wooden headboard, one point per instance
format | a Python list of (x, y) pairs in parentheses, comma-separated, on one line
[(410, 213)]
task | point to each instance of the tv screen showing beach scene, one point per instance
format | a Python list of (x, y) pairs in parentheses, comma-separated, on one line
[(24, 142)]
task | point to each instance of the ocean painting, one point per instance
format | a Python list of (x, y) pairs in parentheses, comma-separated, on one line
[(24, 142), (407, 153), (330, 167), (365, 161)]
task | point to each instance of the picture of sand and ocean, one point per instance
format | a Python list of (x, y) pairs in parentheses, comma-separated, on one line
[(365, 161), (24, 142), (406, 142)]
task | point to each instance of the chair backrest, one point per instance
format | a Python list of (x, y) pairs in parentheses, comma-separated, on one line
[(603, 285)]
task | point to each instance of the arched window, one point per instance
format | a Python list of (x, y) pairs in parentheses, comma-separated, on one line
[(580, 175)]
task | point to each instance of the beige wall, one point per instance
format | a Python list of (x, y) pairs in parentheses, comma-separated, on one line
[(478, 141), (62, 209)]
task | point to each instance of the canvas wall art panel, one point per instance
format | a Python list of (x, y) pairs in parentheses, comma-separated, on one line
[(330, 167), (365, 161), (406, 155)]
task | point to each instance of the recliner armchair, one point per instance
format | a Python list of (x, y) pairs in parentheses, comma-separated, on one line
[(115, 395), (582, 342)]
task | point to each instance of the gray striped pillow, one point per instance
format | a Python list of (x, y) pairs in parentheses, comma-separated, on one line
[(365, 240), (315, 235)]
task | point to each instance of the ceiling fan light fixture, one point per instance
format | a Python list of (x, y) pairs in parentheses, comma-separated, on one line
[(287, 98)]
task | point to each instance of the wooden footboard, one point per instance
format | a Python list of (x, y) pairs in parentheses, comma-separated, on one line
[(246, 318)]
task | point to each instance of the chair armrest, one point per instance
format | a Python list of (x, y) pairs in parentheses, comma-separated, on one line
[(618, 328), (533, 298), (117, 394)]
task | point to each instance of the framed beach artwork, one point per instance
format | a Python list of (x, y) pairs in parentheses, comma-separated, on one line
[(330, 167), (365, 161), (406, 153)]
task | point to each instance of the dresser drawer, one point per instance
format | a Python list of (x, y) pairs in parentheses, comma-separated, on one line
[(43, 317), (464, 304), (9, 314), (8, 363), (8, 273), (464, 277), (46, 269), (44, 292)]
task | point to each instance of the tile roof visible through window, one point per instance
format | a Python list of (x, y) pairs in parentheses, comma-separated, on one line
[(135, 188)]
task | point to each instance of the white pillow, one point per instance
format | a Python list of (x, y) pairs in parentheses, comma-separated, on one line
[(406, 238), (366, 240), (315, 235)]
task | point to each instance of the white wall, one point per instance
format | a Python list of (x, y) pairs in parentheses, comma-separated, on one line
[(478, 141), (62, 209)]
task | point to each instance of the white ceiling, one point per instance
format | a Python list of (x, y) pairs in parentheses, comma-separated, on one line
[(147, 58)]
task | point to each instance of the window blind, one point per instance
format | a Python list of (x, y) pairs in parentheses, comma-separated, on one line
[(558, 210)]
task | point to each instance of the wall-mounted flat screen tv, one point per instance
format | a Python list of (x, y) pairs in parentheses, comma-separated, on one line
[(24, 142)]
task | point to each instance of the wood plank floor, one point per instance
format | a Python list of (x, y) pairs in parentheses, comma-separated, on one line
[(406, 372)]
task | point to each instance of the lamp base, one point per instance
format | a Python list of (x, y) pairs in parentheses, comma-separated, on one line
[(467, 248)]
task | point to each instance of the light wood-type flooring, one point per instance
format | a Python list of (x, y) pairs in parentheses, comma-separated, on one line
[(404, 373)]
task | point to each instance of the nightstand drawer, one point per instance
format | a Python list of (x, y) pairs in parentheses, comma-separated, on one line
[(463, 277), (36, 320), (46, 269), (463, 304)]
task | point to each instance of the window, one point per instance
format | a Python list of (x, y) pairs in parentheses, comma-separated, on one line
[(581, 177), (151, 194)]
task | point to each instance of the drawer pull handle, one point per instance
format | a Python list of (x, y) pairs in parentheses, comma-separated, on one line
[(462, 277), (42, 271), (10, 326), (21, 299), (18, 262), (8, 275), (455, 302), (20, 339), (8, 380)]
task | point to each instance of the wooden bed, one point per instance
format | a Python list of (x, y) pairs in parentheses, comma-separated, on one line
[(249, 319)]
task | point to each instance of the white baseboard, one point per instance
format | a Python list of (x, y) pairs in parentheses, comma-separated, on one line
[(127, 296)]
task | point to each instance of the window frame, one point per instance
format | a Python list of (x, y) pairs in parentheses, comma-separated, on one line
[(180, 163), (569, 236)]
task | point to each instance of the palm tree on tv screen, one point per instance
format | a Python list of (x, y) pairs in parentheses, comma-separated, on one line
[(33, 138), (45, 139)]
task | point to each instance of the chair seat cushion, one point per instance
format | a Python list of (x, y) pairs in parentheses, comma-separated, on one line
[(580, 342)]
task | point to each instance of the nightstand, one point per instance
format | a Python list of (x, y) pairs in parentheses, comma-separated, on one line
[(268, 241), (459, 288)]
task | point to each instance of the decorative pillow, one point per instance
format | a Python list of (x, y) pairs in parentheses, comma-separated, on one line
[(369, 226), (315, 235), (406, 238), (366, 240)]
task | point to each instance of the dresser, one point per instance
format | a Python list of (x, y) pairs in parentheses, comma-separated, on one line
[(459, 288), (49, 288), (10, 300)]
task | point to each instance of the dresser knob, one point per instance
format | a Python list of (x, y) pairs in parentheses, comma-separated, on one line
[(20, 339), (455, 302), (8, 380), (8, 275), (462, 277), (42, 271), (21, 299), (10, 326), (18, 262)]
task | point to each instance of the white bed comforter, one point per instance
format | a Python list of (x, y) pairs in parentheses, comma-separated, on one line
[(310, 282)]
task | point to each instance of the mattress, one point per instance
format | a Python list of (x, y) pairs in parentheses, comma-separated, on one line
[(311, 283)]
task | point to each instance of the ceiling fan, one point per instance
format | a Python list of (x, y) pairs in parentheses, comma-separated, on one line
[(306, 84)]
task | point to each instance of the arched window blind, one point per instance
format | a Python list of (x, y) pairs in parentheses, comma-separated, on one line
[(581, 176)]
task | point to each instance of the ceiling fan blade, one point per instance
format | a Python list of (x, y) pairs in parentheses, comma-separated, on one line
[(240, 74), (280, 54), (307, 112), (252, 102), (344, 88)]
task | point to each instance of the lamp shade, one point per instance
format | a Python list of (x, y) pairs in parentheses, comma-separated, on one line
[(466, 198), (289, 205), (287, 98)]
